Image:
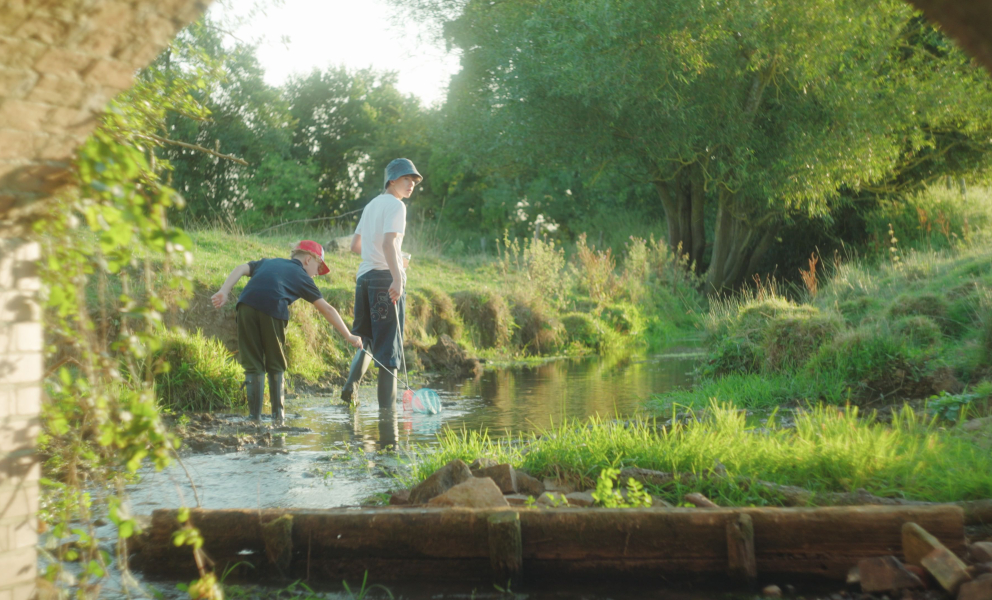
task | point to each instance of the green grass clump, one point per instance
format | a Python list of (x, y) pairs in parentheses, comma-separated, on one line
[(488, 315), (827, 450), (588, 331), (201, 374), (789, 341), (918, 331), (537, 330)]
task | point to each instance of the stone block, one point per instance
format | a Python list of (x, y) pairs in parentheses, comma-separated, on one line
[(981, 552), (24, 591), (29, 399), (949, 570), (20, 368), (20, 500), (504, 476), (71, 121), (885, 574), (110, 74), (24, 534), (16, 144), (62, 63), (399, 498), (20, 53), (980, 589), (442, 480), (57, 91), (477, 492), (23, 115), (6, 537), (18, 566), (43, 29), (517, 499), (917, 543), (530, 486), (29, 336), (552, 499), (16, 83), (580, 499), (557, 485)]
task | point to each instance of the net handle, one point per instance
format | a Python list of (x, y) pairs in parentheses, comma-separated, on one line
[(406, 375)]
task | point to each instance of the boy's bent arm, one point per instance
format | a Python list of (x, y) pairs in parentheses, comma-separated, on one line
[(391, 250), (356, 244), (332, 316), (220, 298)]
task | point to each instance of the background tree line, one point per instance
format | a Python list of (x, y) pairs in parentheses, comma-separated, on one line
[(744, 133)]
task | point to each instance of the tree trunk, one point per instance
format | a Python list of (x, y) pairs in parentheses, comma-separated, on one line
[(738, 247), (684, 200), (698, 198)]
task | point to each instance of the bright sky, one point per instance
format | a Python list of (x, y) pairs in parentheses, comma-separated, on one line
[(354, 33)]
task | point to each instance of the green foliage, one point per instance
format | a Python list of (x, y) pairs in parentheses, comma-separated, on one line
[(488, 314), (919, 331), (790, 341), (201, 375), (586, 330), (826, 449), (607, 497), (538, 263)]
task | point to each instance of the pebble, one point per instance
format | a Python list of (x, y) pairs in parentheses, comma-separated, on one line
[(772, 591)]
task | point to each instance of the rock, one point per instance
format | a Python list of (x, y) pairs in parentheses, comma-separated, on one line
[(977, 424), (884, 574), (557, 485), (981, 552), (921, 573), (483, 462), (917, 543), (339, 244), (772, 591), (504, 476), (980, 570), (854, 576), (477, 492), (517, 499), (701, 501), (399, 497), (979, 589), (442, 480), (580, 499), (949, 570), (528, 485), (660, 502), (552, 499), (647, 476)]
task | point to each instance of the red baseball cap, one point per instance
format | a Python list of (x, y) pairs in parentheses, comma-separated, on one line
[(314, 247)]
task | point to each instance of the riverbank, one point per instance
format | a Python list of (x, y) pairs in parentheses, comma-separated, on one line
[(914, 329), (527, 302)]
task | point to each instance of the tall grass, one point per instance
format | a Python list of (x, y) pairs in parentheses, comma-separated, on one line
[(827, 450), (200, 374)]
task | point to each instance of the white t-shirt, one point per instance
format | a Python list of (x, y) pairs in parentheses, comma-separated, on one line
[(384, 214)]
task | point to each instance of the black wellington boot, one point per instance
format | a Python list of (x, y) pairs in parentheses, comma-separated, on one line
[(359, 365), (387, 389), (255, 389), (277, 398)]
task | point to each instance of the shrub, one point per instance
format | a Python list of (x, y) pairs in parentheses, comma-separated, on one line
[(918, 331), (926, 304), (790, 341), (587, 330), (444, 320), (536, 329), (624, 317), (200, 374), (597, 271), (856, 309), (536, 265), (489, 314)]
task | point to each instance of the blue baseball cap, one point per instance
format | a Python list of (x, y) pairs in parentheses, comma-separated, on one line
[(398, 168)]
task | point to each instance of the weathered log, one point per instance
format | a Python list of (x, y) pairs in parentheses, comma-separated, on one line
[(505, 548), (422, 543), (742, 566)]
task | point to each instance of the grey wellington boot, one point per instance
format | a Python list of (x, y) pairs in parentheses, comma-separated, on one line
[(387, 389), (277, 398), (359, 365), (255, 389)]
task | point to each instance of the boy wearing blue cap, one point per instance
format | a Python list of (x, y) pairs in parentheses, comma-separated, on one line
[(379, 285), (263, 312)]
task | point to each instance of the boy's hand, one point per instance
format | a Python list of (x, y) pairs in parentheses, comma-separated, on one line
[(355, 341), (395, 290), (219, 299)]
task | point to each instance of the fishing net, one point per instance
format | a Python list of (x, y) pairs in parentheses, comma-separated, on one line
[(424, 400)]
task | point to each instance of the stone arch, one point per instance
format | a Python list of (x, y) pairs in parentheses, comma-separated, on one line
[(60, 62)]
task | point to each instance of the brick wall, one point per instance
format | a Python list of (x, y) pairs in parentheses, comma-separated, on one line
[(60, 62)]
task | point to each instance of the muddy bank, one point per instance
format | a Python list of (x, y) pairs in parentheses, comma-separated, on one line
[(207, 433)]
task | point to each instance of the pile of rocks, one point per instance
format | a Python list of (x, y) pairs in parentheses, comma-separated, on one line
[(928, 565), (488, 484)]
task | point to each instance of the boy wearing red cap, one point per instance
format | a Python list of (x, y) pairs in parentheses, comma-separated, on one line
[(263, 312)]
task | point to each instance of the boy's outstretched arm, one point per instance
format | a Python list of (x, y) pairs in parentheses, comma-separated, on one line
[(335, 319), (220, 298)]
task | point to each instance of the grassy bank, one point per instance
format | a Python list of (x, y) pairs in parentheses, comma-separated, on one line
[(825, 450), (531, 299), (915, 327)]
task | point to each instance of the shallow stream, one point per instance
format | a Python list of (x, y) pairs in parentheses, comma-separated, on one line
[(339, 461)]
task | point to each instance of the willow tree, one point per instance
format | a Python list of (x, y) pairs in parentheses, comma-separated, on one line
[(739, 113)]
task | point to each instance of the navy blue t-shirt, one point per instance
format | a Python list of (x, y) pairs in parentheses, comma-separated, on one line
[(275, 284)]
